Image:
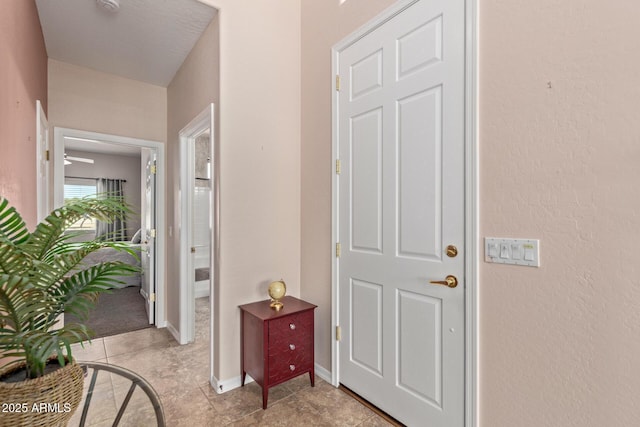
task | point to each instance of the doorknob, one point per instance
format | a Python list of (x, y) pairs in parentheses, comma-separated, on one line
[(450, 281)]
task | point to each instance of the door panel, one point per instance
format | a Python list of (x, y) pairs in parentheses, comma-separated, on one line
[(366, 167), (420, 364), (401, 202), (366, 347), (420, 178)]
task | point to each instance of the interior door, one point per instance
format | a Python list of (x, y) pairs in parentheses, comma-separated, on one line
[(401, 204), (148, 242)]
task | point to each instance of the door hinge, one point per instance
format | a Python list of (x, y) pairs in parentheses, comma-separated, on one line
[(152, 297), (338, 166), (152, 233), (193, 249), (338, 333), (338, 250), (46, 154), (337, 82), (154, 169)]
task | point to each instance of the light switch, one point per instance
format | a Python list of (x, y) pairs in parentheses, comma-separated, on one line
[(516, 251), (493, 250), (512, 251), (528, 253), (504, 251)]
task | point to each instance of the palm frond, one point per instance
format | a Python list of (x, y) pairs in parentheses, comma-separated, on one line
[(12, 226)]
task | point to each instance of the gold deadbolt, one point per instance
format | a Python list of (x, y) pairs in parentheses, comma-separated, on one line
[(450, 281), (452, 251)]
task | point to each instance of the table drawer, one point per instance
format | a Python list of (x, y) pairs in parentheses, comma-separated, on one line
[(296, 328), (289, 364)]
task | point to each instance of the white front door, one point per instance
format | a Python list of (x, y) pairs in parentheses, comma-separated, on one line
[(148, 243), (400, 130)]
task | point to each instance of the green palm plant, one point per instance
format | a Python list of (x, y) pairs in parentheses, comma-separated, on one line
[(42, 277)]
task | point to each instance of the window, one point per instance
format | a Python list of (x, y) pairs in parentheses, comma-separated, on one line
[(75, 188)]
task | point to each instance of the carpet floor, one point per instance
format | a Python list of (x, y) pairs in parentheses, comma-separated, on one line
[(116, 313)]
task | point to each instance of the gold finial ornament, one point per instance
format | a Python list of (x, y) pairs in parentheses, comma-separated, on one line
[(277, 291)]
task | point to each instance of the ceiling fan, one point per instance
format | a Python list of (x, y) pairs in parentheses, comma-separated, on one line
[(67, 159)]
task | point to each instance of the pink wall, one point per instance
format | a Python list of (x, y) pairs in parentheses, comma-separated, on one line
[(23, 80)]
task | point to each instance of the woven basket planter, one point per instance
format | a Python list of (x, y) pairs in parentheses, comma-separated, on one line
[(46, 401)]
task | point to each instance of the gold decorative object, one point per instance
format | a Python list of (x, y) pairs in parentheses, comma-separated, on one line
[(277, 291)]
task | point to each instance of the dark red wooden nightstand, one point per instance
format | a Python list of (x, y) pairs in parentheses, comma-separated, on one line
[(276, 346)]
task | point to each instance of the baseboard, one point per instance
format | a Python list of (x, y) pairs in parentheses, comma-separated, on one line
[(228, 385), (323, 373), (173, 331)]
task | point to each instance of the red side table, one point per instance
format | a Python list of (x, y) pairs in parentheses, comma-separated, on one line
[(276, 346)]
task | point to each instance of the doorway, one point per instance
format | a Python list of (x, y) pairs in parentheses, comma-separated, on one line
[(151, 240), (403, 194), (198, 222)]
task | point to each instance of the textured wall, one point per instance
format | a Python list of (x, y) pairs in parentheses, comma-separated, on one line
[(560, 150), (23, 80), (81, 98)]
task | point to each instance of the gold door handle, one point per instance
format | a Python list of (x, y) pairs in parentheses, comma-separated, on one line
[(450, 281)]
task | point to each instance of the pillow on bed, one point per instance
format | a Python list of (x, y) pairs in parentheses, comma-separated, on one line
[(137, 237)]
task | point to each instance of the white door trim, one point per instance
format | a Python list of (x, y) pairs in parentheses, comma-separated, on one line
[(58, 194), (203, 121), (42, 153), (471, 197)]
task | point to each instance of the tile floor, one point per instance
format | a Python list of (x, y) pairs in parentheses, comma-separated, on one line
[(179, 374)]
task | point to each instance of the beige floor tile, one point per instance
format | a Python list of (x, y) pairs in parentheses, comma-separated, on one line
[(180, 376), (89, 351)]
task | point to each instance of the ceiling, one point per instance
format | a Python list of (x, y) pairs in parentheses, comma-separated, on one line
[(145, 40)]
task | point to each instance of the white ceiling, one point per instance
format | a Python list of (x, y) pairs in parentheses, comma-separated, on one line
[(146, 40)]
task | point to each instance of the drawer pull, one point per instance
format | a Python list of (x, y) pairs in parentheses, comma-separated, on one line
[(292, 367), (292, 347), (292, 326)]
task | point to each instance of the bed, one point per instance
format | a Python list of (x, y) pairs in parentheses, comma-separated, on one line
[(111, 254)]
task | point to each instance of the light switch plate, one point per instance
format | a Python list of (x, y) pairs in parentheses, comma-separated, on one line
[(512, 251)]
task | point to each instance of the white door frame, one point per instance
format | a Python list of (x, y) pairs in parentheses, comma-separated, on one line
[(42, 162), (471, 198), (202, 122), (58, 195)]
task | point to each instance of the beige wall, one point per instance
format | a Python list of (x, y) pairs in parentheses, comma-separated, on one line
[(324, 23), (560, 150), (193, 88), (82, 98), (23, 80), (260, 160)]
